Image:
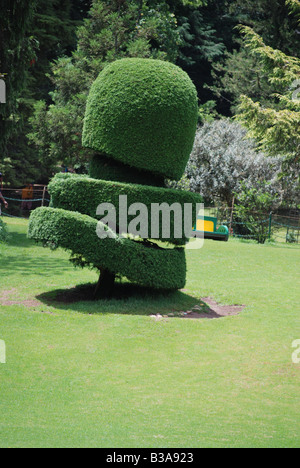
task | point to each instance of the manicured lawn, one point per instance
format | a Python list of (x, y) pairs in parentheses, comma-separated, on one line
[(106, 374)]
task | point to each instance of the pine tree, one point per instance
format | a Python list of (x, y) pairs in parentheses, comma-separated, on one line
[(50, 33), (17, 49), (207, 33), (113, 30), (272, 20), (276, 128)]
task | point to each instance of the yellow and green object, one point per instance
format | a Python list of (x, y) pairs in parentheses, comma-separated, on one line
[(208, 225)]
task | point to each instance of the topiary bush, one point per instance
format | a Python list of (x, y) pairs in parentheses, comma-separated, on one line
[(152, 267), (69, 192), (143, 113), (141, 118), (102, 168), (3, 231)]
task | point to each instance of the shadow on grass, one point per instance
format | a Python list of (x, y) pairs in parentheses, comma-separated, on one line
[(128, 299), (18, 239), (39, 266)]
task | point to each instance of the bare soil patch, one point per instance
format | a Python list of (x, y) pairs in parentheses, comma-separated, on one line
[(214, 310), (6, 299)]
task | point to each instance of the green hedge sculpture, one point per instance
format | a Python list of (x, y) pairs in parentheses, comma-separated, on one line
[(140, 120), (144, 114)]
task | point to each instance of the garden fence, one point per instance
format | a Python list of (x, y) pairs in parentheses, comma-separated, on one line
[(275, 226), (16, 208)]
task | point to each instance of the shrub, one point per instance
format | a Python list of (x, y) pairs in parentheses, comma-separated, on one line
[(107, 169), (142, 115), (146, 265), (143, 112), (253, 210), (3, 231), (77, 193), (223, 158)]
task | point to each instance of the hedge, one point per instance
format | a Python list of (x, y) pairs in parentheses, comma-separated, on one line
[(143, 112), (83, 194), (107, 169), (151, 267)]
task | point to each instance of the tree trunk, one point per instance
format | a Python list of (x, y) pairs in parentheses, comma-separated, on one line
[(105, 286)]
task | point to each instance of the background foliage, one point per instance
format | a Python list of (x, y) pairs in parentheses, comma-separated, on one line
[(243, 57)]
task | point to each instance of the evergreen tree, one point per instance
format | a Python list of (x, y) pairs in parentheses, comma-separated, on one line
[(113, 30), (276, 128), (17, 49), (207, 33), (272, 20), (52, 33), (242, 73)]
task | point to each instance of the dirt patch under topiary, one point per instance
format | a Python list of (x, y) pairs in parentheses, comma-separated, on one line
[(6, 299), (215, 310)]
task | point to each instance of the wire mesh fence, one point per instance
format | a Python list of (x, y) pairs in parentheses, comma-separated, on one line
[(19, 205), (281, 226), (278, 226)]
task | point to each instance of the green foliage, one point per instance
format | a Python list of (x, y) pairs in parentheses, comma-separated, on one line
[(254, 206), (273, 20), (79, 193), (207, 112), (148, 266), (3, 231), (57, 139), (276, 128), (143, 113), (17, 48), (54, 28), (48, 31), (134, 107), (107, 169), (113, 30), (200, 42), (240, 73)]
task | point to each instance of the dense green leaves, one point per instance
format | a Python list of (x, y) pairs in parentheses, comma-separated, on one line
[(148, 266), (83, 194), (253, 210), (101, 167), (17, 49), (276, 128), (143, 113)]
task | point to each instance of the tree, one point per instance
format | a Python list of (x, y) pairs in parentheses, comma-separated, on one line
[(113, 30), (53, 27), (276, 128), (239, 72), (159, 143), (50, 31), (253, 210), (17, 49), (272, 20), (207, 32), (223, 160)]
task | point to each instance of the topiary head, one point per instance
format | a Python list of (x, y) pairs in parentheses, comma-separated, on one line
[(143, 112)]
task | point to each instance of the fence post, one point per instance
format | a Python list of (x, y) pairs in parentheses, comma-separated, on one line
[(231, 216), (44, 193), (270, 225)]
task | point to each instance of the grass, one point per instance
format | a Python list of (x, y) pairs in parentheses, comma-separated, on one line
[(105, 374)]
